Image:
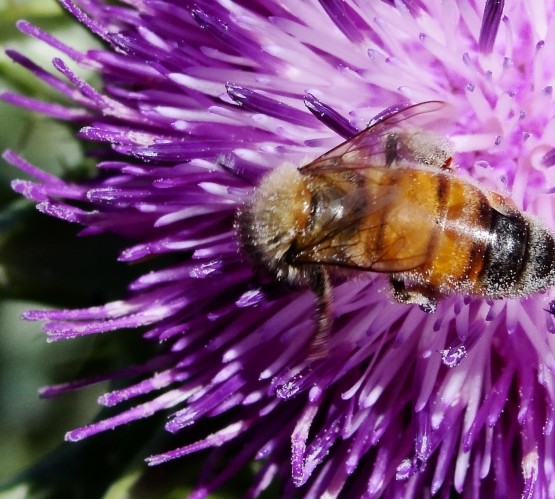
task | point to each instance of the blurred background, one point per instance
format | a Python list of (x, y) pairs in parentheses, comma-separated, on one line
[(44, 264), (29, 427)]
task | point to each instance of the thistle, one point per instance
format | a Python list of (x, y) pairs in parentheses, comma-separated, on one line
[(200, 101)]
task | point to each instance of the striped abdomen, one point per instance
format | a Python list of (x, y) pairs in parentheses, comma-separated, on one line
[(433, 230), (479, 245)]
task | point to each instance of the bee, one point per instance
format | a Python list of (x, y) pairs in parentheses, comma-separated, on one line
[(387, 201)]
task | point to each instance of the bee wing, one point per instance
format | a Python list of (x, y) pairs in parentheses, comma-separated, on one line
[(394, 236), (389, 138)]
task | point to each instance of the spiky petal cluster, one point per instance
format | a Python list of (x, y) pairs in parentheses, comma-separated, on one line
[(200, 100)]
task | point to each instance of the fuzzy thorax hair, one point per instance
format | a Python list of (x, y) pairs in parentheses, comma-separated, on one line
[(271, 220)]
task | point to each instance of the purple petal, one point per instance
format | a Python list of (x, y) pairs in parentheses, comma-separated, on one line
[(490, 24)]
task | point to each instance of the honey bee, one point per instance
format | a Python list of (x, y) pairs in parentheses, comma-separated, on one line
[(387, 201)]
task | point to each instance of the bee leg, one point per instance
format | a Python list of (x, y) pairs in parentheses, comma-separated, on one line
[(321, 287), (418, 296)]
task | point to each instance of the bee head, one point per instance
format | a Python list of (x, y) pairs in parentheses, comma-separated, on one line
[(268, 224)]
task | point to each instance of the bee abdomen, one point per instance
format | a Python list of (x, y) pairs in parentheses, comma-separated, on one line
[(506, 253), (520, 256)]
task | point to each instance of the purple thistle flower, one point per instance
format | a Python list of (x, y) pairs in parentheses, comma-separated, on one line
[(202, 99)]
